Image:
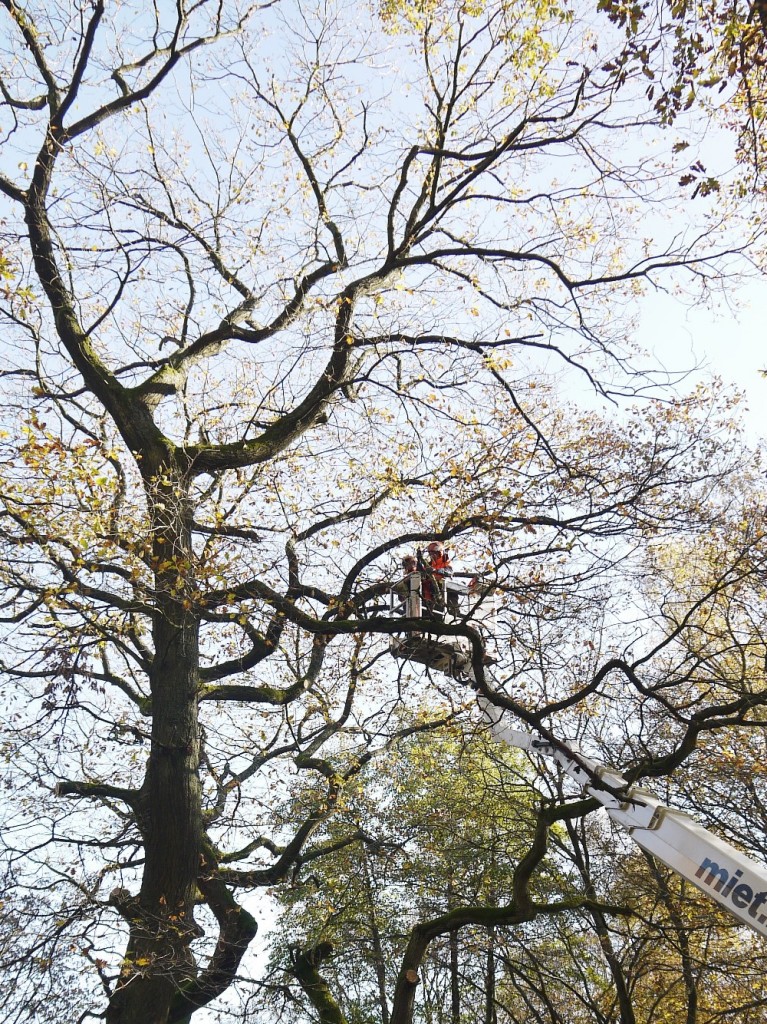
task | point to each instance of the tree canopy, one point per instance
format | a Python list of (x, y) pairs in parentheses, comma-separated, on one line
[(288, 291)]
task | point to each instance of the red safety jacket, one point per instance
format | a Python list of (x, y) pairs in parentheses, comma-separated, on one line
[(440, 564)]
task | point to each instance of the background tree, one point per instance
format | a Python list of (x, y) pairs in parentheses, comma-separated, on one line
[(715, 59), (439, 824), (288, 298)]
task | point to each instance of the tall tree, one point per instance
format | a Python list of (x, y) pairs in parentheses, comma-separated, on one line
[(288, 296)]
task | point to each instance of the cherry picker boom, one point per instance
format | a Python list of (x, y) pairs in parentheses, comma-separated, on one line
[(735, 881), (725, 874)]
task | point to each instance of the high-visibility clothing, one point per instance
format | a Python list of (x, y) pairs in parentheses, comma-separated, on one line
[(440, 564)]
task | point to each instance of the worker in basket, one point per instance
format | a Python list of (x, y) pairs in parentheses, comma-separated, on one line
[(409, 565), (439, 560), (435, 571)]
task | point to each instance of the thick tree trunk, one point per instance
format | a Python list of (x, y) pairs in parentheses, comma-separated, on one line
[(158, 960)]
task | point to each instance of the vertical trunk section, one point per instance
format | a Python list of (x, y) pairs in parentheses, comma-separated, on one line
[(490, 1014), (622, 993), (455, 987), (683, 940), (158, 960), (375, 935)]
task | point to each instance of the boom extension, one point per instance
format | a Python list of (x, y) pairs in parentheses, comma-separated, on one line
[(720, 871)]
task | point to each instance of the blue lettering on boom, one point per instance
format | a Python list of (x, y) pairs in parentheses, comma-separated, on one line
[(720, 880)]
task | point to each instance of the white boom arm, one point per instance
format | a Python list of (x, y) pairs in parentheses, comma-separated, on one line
[(735, 881)]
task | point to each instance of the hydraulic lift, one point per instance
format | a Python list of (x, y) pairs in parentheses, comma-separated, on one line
[(735, 881)]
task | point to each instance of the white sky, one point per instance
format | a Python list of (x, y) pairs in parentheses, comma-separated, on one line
[(723, 343)]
